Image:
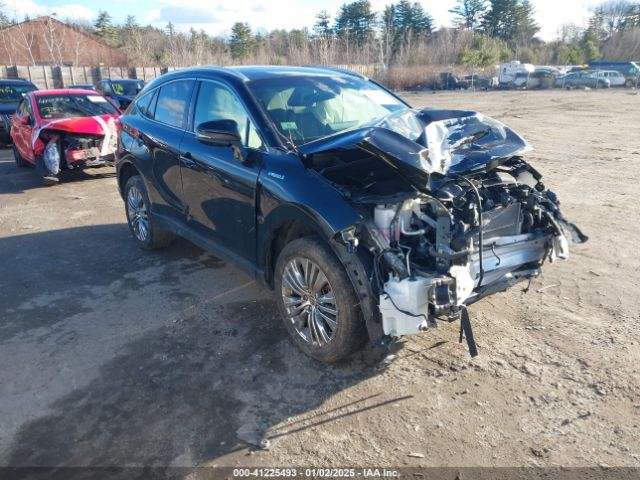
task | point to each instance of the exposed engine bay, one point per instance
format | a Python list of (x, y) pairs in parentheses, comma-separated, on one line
[(450, 213), (68, 144)]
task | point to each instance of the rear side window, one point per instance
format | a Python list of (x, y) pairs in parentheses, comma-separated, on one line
[(146, 103), (173, 102)]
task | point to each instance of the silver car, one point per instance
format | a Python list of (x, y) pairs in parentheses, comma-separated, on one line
[(616, 79), (582, 79)]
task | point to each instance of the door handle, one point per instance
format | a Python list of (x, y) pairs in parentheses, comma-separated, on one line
[(187, 159)]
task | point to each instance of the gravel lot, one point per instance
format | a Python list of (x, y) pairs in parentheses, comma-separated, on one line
[(113, 356)]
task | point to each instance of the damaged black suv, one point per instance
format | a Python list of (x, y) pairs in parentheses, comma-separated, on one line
[(369, 219)]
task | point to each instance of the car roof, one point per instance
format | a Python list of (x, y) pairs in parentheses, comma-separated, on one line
[(15, 81), (259, 72), (63, 91)]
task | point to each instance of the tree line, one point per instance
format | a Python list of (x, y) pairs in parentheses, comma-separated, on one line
[(403, 34)]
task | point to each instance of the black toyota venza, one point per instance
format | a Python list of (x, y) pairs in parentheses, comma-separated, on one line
[(369, 219)]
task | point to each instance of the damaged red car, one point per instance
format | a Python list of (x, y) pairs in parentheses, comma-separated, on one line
[(64, 130)]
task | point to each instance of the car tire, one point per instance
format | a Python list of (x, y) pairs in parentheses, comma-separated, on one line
[(329, 297), (142, 225), (568, 86), (20, 162), (628, 83)]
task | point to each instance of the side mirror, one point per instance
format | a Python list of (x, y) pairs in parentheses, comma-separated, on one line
[(222, 133)]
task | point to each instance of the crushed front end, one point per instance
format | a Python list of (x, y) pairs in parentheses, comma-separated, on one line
[(450, 212)]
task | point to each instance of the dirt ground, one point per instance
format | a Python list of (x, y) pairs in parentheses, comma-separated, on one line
[(113, 356)]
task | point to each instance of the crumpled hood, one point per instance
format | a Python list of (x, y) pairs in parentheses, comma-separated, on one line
[(421, 143), (103, 125), (84, 125)]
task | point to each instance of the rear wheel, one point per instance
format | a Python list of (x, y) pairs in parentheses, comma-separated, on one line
[(628, 83), (319, 306), (20, 162), (141, 223)]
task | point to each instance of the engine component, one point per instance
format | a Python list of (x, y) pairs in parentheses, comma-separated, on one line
[(383, 217), (405, 305)]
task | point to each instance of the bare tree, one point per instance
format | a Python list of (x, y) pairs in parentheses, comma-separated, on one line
[(53, 37), (25, 38)]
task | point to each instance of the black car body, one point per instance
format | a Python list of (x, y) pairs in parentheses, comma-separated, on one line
[(402, 219), (11, 92), (121, 91)]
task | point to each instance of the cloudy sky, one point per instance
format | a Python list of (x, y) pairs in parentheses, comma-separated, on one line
[(216, 17)]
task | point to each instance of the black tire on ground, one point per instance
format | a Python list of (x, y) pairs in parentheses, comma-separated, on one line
[(154, 237), (20, 162), (349, 334), (568, 86), (628, 83)]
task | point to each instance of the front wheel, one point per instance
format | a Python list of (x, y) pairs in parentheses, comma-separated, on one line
[(317, 301), (141, 223), (20, 162), (628, 83)]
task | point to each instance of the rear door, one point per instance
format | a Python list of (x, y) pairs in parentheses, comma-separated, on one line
[(167, 113), (220, 182)]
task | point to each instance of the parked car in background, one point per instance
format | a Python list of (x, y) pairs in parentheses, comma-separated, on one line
[(582, 79), (121, 91), (11, 92), (536, 79), (86, 86), (64, 129), (616, 79), (478, 82), (450, 81), (630, 70), (368, 218)]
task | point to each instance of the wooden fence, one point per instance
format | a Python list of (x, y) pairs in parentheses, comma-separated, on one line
[(47, 77)]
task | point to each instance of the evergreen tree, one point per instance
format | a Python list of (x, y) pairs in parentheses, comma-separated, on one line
[(355, 22), (403, 24), (104, 28), (242, 41), (468, 14), (412, 20), (130, 23), (322, 27), (511, 21)]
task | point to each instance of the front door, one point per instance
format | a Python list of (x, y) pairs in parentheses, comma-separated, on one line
[(220, 182), (22, 130)]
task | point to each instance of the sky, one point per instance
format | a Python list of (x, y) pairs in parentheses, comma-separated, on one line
[(217, 17)]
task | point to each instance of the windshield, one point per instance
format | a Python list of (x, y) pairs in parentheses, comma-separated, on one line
[(129, 89), (307, 108), (14, 93), (68, 106)]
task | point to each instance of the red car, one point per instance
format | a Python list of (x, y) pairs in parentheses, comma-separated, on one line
[(64, 129)]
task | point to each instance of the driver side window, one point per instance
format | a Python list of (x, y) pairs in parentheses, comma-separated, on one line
[(24, 109), (216, 102)]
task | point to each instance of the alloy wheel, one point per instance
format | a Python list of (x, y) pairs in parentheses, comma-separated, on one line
[(137, 212), (309, 301)]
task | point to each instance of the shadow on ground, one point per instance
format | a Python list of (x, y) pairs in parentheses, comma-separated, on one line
[(19, 180), (48, 276), (205, 385)]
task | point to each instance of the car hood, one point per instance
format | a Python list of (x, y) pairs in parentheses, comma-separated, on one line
[(422, 143), (84, 125)]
